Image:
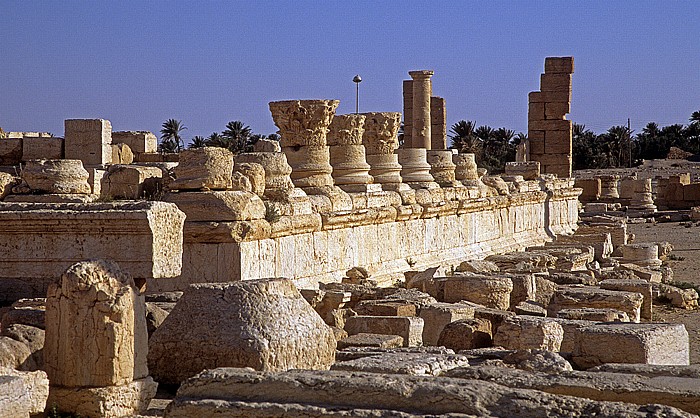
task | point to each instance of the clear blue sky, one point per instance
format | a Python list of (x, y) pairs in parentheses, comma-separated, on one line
[(138, 63)]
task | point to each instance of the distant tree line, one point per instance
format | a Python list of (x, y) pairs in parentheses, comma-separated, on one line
[(492, 148), (237, 137)]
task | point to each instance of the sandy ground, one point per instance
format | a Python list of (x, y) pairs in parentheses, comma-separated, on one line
[(686, 244)]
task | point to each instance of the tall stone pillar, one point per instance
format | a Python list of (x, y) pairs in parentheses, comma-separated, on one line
[(422, 90), (380, 142), (350, 168), (97, 343), (438, 123), (407, 113)]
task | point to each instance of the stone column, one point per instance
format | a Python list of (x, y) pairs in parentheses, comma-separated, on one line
[(608, 187), (380, 143), (442, 168), (407, 113), (303, 126), (643, 254), (422, 90), (97, 343), (415, 170), (641, 202), (350, 168), (465, 167), (438, 123)]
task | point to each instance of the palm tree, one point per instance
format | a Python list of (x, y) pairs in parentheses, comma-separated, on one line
[(198, 142), (239, 136), (695, 117), (170, 135), (484, 132), (216, 140), (463, 137)]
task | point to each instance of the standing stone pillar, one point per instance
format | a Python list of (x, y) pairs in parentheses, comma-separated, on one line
[(350, 168), (97, 342), (438, 123), (379, 139), (407, 113), (641, 202), (422, 90), (608, 187)]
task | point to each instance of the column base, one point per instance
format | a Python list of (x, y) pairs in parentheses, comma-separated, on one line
[(107, 401)]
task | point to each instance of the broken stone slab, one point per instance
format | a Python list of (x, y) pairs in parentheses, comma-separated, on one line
[(138, 141), (213, 206), (417, 364), (682, 393), (370, 340), (530, 308), (490, 291), (529, 332), (131, 182), (588, 297), (7, 182), (650, 370), (649, 343), (495, 316), (680, 298), (51, 198), (563, 278), (30, 312), (56, 176), (122, 154), (466, 334), (265, 324), (108, 401), (241, 392), (254, 173), (523, 262), (385, 308), (637, 286), (34, 339), (524, 288), (38, 242), (351, 353), (22, 393), (438, 315), (544, 290), (644, 273), (409, 328), (538, 361), (207, 168), (594, 314), (477, 266)]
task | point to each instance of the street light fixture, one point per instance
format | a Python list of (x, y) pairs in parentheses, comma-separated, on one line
[(357, 80)]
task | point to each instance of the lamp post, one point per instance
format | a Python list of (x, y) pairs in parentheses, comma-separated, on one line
[(357, 80)]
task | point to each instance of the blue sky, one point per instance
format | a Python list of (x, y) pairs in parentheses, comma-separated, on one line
[(138, 63)]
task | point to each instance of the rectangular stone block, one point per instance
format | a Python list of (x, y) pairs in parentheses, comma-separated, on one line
[(558, 142), (35, 148), (550, 125), (591, 189), (108, 401), (637, 286), (536, 146), (530, 170), (549, 97), (438, 122), (556, 110), (138, 141), (408, 327), (10, 151), (88, 140), (550, 159), (691, 192), (131, 182), (562, 65), (589, 297), (437, 315), (535, 111), (556, 82), (663, 344), (385, 308), (38, 242)]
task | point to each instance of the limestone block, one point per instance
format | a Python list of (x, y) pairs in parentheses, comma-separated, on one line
[(530, 170), (562, 65), (370, 340), (51, 198), (30, 312), (255, 173), (239, 392), (495, 316), (95, 327), (528, 332), (650, 343), (417, 364), (477, 266), (218, 205), (594, 314), (7, 181), (121, 154), (528, 307), (573, 297), (466, 334), (558, 142), (277, 170), (15, 354), (267, 145), (410, 328), (556, 110), (56, 176), (385, 308), (10, 151), (637, 286), (138, 141), (203, 168), (40, 148), (88, 140), (33, 338), (437, 316), (466, 168), (264, 324), (544, 290), (535, 111), (22, 393), (108, 401), (490, 291), (524, 288), (524, 261), (681, 298), (38, 242), (131, 182), (644, 273)]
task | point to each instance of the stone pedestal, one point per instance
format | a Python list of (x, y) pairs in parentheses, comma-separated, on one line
[(347, 154), (465, 167), (56, 176), (207, 168), (643, 254), (88, 140), (422, 90), (97, 343), (415, 170), (380, 142), (608, 187), (303, 128), (641, 201), (442, 168)]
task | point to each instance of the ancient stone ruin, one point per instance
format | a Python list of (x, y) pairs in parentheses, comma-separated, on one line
[(336, 272)]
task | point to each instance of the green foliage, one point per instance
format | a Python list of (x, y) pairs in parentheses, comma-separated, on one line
[(492, 148), (237, 138), (170, 138), (272, 214)]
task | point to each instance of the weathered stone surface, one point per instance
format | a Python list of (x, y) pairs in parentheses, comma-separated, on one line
[(418, 364), (206, 168), (594, 314), (649, 370), (131, 182), (33, 338), (155, 315), (477, 266), (15, 354), (528, 332), (88, 140), (524, 288), (490, 291), (652, 343), (677, 392), (255, 173), (385, 308), (410, 328), (95, 327), (638, 286), (37, 148), (245, 393), (121, 154), (10, 151), (218, 205), (370, 340), (7, 181), (138, 141), (530, 308), (265, 324), (56, 176), (437, 316), (681, 298), (22, 393), (523, 262), (584, 297), (38, 242), (495, 316), (108, 401), (267, 145), (538, 361), (30, 312), (466, 334)]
